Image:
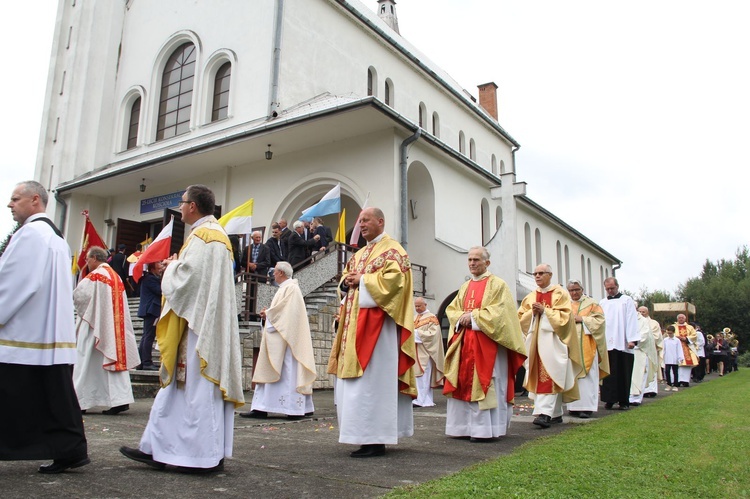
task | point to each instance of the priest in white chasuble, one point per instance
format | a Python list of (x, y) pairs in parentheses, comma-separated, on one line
[(485, 351), (285, 369), (191, 425), (374, 353), (430, 353), (106, 343), (554, 362), (591, 329)]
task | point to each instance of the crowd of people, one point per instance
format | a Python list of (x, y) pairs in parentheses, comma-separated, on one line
[(387, 356)]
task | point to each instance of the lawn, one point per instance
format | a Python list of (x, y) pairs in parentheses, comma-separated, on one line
[(695, 443)]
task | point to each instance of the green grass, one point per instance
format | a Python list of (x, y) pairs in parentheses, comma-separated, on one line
[(695, 443)]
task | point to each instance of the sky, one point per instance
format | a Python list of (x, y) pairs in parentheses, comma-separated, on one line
[(632, 116)]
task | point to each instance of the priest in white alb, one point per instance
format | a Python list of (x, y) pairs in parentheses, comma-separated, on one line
[(645, 362), (191, 425), (105, 340), (285, 369), (430, 353)]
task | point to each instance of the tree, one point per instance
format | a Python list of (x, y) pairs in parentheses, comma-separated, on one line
[(7, 239), (721, 294)]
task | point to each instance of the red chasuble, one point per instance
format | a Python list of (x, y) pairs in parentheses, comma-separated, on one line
[(478, 351), (544, 381), (114, 282)]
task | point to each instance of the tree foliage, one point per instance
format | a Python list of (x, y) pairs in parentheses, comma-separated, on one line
[(721, 294), (7, 238)]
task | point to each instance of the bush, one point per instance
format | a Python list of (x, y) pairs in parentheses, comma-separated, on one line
[(744, 359)]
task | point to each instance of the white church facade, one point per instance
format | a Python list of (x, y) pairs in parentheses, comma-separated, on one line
[(146, 97)]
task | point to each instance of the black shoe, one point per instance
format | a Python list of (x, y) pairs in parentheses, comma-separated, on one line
[(478, 440), (60, 465), (635, 404), (585, 415), (295, 418), (624, 407), (369, 450), (141, 457), (556, 420), (83, 411), (609, 406), (576, 414), (309, 414), (542, 421), (199, 471), (116, 410), (649, 395), (254, 414), (150, 367)]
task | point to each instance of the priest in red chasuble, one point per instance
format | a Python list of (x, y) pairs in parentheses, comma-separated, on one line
[(485, 350), (555, 360)]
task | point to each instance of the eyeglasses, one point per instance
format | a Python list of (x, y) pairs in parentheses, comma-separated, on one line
[(540, 273), (181, 202)]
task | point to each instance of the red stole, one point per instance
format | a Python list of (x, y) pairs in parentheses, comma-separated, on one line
[(544, 382), (478, 351), (118, 314), (682, 333)]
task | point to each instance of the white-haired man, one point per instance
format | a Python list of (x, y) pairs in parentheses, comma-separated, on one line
[(285, 369), (430, 353)]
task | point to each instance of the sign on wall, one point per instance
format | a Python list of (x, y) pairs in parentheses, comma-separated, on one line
[(160, 203)]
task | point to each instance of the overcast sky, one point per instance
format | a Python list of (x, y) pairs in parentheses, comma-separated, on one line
[(632, 117)]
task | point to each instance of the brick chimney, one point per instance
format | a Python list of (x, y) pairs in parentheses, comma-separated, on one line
[(488, 98)]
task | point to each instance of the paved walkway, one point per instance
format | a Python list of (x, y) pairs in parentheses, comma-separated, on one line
[(274, 458)]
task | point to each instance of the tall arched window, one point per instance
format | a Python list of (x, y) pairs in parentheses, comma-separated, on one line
[(538, 243), (502, 166), (601, 281), (527, 246), (494, 164), (498, 217), (388, 92), (135, 119), (176, 96), (567, 264), (472, 149), (559, 264), (371, 81), (588, 272), (435, 124), (461, 142), (422, 114), (583, 270), (220, 108), (485, 209)]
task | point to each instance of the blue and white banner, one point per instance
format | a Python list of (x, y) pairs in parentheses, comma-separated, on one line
[(330, 203)]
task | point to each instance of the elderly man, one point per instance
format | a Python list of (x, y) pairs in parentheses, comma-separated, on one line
[(622, 337), (106, 342), (299, 247), (554, 362), (192, 418), (688, 339), (41, 418), (430, 353), (374, 352), (590, 326), (645, 362), (485, 351), (256, 257), (285, 369), (652, 388)]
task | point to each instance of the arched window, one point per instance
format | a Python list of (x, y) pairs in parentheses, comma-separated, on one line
[(485, 209), (220, 108), (583, 270), (502, 166), (371, 81), (388, 92), (527, 246), (538, 243), (601, 281), (422, 114), (494, 165), (498, 217), (461, 142), (588, 272), (559, 264), (472, 149), (435, 124), (135, 119), (176, 96), (567, 264)]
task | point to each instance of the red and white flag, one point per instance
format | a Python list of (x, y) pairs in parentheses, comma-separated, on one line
[(354, 240), (90, 238), (156, 251)]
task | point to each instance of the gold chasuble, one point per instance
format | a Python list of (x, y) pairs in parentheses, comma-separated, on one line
[(593, 319), (561, 350), (470, 359), (686, 332), (387, 276)]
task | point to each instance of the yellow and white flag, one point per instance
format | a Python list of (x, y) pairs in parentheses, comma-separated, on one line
[(239, 220)]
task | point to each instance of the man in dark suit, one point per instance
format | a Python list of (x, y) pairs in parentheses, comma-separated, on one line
[(284, 233), (276, 250), (298, 246), (149, 309), (121, 266), (326, 237), (256, 256)]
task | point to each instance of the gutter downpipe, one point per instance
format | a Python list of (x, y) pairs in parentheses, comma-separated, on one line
[(63, 211), (276, 60), (615, 268), (404, 187)]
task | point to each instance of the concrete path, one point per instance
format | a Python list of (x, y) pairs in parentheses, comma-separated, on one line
[(274, 458)]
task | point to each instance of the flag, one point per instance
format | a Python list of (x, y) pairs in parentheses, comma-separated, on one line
[(354, 241), (156, 251), (239, 220), (90, 238), (341, 233), (330, 203), (75, 263)]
